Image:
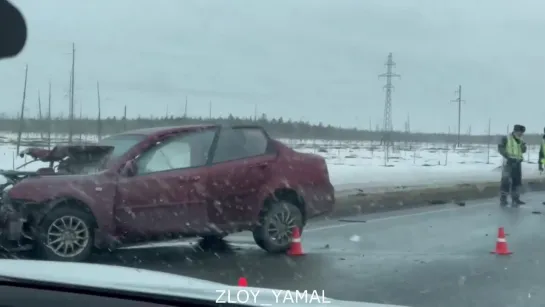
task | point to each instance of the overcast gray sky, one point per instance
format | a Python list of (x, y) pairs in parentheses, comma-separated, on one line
[(315, 60)]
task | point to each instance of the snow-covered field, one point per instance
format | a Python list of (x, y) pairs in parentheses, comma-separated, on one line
[(363, 165)]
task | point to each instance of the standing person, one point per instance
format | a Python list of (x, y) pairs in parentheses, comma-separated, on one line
[(541, 159), (512, 147)]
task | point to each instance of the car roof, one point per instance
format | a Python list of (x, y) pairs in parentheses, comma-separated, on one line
[(156, 131)]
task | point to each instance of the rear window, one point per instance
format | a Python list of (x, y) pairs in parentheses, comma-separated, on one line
[(122, 143), (256, 142), (240, 143)]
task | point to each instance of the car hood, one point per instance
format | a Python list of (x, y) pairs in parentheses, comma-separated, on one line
[(138, 280)]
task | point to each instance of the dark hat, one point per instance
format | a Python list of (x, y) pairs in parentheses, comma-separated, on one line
[(519, 128)]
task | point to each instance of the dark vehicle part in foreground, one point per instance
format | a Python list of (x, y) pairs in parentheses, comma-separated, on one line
[(27, 283), (163, 183)]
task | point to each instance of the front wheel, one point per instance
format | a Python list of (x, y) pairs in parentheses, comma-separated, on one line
[(276, 223), (65, 234)]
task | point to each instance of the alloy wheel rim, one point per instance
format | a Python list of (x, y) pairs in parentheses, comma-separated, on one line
[(68, 236), (280, 227)]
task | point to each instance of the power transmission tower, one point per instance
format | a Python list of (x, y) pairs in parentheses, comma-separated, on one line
[(387, 124), (459, 101)]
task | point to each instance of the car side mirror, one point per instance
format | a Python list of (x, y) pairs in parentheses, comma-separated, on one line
[(129, 169)]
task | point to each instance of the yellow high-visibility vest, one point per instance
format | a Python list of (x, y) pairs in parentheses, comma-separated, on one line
[(513, 148), (543, 149)]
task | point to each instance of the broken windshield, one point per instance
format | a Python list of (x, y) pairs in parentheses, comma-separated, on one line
[(121, 143)]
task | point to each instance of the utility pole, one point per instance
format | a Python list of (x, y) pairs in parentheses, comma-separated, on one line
[(459, 101), (407, 129), (488, 140), (387, 123), (255, 112), (81, 121), (99, 117), (408, 124), (125, 118), (49, 117), (185, 107)]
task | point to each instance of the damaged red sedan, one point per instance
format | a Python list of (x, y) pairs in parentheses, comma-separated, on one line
[(162, 183)]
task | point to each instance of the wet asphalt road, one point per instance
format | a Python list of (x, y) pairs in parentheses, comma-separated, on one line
[(434, 256)]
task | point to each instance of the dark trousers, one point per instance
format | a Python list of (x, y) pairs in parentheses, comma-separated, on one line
[(511, 180)]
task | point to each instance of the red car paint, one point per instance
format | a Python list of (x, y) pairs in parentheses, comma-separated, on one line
[(215, 198)]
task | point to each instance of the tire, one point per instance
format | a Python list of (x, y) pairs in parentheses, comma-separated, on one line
[(85, 228), (268, 215)]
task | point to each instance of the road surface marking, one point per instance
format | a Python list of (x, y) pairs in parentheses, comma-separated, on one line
[(387, 218), (191, 242)]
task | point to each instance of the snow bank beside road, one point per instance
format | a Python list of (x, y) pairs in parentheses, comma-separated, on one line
[(378, 178), (365, 166)]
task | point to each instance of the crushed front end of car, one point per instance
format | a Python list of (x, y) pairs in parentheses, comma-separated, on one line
[(12, 236), (12, 221), (17, 216)]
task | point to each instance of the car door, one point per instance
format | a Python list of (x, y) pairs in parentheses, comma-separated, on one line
[(241, 168), (167, 194)]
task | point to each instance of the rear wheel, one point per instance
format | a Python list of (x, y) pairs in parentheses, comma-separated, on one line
[(276, 223), (65, 234)]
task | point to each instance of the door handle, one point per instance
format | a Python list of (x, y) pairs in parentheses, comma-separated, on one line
[(190, 179), (262, 165)]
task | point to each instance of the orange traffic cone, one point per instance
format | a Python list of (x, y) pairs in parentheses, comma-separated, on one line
[(296, 249), (501, 244), (242, 282)]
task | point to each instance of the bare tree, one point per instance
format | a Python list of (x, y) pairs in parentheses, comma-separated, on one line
[(488, 140), (80, 119), (49, 121), (40, 117), (22, 115), (71, 108)]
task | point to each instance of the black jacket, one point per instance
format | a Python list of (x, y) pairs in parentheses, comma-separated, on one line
[(502, 147)]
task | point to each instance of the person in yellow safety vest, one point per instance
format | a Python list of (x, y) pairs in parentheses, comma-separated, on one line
[(512, 147), (541, 159)]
